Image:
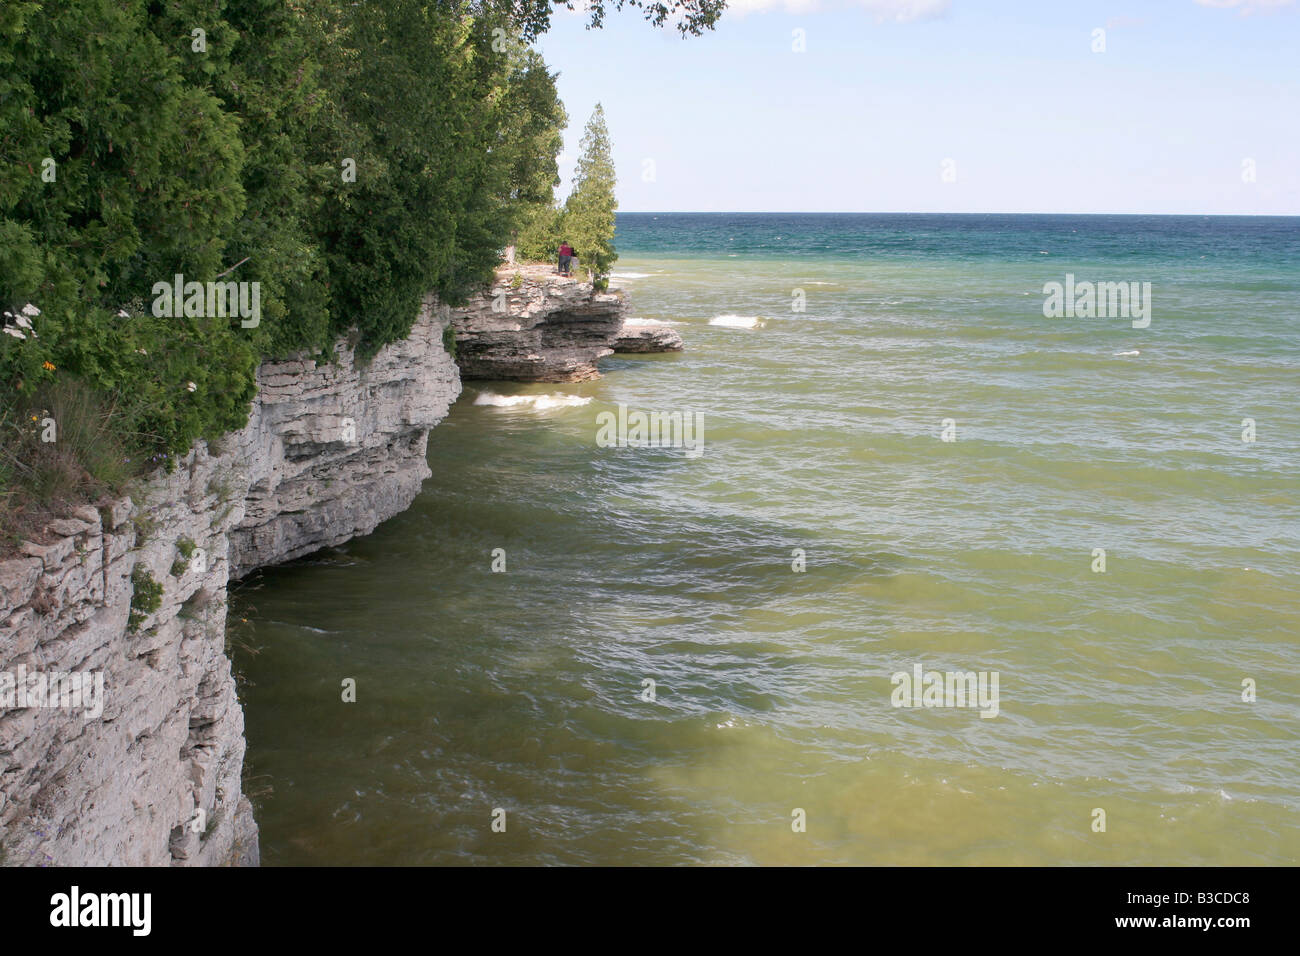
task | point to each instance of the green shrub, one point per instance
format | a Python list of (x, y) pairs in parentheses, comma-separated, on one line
[(186, 547), (146, 597), (129, 155), (539, 234), (229, 162)]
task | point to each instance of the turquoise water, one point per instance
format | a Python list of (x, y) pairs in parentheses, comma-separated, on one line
[(1119, 691)]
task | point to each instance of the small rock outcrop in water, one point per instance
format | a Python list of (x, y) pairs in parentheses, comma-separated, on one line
[(647, 335), (136, 591), (539, 327)]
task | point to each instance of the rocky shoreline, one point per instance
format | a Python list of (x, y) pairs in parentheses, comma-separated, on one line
[(534, 325), (136, 589)]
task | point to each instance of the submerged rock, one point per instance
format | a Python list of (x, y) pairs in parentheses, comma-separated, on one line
[(647, 335)]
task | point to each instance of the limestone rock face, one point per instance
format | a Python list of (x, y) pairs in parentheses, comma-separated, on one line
[(124, 786), (541, 327), (333, 450), (329, 452), (647, 335)]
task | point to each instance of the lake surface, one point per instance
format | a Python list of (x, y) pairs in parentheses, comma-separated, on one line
[(830, 357)]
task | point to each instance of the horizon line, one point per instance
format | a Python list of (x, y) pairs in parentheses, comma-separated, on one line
[(883, 212)]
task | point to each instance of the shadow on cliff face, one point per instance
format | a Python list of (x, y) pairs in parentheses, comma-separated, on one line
[(524, 688)]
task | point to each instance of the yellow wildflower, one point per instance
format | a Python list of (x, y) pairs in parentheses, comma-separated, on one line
[(48, 366)]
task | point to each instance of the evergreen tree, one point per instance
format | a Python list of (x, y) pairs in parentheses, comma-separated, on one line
[(588, 222), (529, 141), (539, 233), (348, 156)]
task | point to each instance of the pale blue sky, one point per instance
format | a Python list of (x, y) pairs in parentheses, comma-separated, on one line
[(887, 90)]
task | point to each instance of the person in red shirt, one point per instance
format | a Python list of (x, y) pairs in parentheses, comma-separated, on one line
[(566, 258)]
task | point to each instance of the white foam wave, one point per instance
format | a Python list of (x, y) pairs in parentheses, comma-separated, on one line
[(1134, 352), (737, 321), (634, 323), (633, 275), (534, 402)]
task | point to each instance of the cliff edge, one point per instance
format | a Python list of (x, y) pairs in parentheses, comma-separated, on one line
[(137, 760), (534, 325), (136, 756)]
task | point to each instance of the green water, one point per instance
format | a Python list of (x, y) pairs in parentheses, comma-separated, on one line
[(1120, 690)]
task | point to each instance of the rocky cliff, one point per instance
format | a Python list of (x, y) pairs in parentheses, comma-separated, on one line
[(142, 765), (330, 451), (135, 592), (536, 326)]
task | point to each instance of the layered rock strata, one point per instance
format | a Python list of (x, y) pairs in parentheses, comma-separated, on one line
[(647, 335), (536, 326), (131, 597)]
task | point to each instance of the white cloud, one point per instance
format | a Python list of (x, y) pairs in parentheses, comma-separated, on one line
[(896, 11)]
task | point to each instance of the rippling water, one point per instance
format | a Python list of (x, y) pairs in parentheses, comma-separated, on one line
[(1119, 690)]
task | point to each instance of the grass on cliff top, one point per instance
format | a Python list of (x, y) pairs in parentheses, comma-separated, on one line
[(63, 447), (509, 271)]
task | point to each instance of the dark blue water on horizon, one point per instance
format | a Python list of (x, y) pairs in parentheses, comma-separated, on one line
[(972, 236)]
